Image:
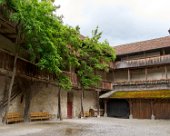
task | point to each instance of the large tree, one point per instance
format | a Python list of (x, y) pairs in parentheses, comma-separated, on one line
[(46, 39), (93, 56), (56, 47)]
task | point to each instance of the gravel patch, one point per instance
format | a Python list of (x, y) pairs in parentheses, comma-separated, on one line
[(89, 127)]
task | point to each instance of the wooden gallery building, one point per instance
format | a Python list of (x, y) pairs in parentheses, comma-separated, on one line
[(35, 90), (141, 81), (137, 85)]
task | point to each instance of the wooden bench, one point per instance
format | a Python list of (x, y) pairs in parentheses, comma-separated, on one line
[(14, 117), (39, 116)]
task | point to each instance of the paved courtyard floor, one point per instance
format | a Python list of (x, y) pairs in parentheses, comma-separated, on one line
[(89, 127)]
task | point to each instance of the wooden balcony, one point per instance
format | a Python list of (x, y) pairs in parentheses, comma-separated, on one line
[(28, 70), (142, 85), (160, 60), (7, 28), (106, 85)]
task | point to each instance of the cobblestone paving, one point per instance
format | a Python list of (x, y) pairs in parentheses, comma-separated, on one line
[(89, 127)]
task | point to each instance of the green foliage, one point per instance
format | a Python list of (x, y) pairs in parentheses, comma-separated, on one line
[(2, 1), (56, 47), (94, 56), (64, 82), (46, 38)]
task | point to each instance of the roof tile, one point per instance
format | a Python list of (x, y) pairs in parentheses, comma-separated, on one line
[(143, 46)]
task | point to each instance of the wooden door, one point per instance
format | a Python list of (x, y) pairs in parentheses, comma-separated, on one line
[(69, 105), (141, 108), (162, 108)]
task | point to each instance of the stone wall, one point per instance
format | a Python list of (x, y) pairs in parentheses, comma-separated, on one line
[(89, 101), (45, 99)]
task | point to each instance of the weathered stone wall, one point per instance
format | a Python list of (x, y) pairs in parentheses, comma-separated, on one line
[(2, 93), (89, 101), (45, 99), (16, 105), (2, 88)]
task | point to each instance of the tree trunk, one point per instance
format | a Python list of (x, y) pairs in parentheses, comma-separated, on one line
[(82, 108), (27, 99), (14, 70), (59, 104), (11, 85)]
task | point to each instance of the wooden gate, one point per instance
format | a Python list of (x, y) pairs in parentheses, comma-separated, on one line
[(161, 108), (141, 109)]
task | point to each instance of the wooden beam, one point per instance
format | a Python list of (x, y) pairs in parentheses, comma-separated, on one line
[(130, 107), (166, 72), (129, 76), (113, 79), (105, 108), (146, 74), (152, 110), (98, 103)]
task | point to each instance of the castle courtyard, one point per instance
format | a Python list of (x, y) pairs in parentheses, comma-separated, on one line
[(89, 127)]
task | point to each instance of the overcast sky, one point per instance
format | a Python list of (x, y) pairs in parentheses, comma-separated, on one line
[(121, 21)]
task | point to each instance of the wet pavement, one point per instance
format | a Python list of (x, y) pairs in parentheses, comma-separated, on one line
[(89, 127)]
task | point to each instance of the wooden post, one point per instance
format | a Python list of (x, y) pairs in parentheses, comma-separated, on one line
[(113, 77), (166, 72), (146, 74), (130, 105), (98, 104), (129, 77), (59, 104), (163, 52), (81, 104), (105, 108), (152, 111)]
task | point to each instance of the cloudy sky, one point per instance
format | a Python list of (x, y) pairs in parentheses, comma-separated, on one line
[(121, 21)]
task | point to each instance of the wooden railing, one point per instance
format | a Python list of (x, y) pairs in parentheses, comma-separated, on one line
[(159, 60), (28, 69), (106, 85), (142, 85)]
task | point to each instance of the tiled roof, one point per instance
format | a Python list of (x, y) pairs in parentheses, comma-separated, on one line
[(143, 46)]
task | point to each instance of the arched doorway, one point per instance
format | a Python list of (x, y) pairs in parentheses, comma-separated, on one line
[(118, 108)]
